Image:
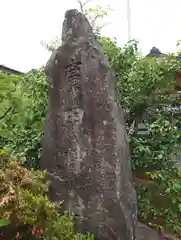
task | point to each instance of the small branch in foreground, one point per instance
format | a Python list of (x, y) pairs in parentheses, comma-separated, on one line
[(7, 111), (83, 4)]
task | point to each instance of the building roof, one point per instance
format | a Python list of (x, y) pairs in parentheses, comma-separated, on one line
[(155, 52), (9, 70)]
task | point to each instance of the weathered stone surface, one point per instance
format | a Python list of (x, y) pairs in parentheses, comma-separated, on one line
[(144, 232), (85, 147)]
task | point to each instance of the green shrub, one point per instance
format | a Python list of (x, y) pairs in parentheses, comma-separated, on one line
[(23, 102), (146, 93), (24, 205)]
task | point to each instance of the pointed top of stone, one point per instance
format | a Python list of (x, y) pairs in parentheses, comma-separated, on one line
[(75, 26)]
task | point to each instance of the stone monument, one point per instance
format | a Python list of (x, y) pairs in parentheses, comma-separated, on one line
[(85, 147)]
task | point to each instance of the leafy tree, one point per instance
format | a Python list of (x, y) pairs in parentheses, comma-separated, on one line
[(95, 15), (23, 106), (146, 92)]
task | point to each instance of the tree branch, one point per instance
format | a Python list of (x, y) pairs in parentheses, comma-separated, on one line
[(7, 111), (86, 2), (82, 5)]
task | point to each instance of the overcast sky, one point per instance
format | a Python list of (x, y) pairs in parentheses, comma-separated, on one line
[(25, 23)]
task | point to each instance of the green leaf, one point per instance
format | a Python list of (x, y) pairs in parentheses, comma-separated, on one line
[(4, 222), (179, 207)]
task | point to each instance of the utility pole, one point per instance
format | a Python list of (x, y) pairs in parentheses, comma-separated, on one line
[(129, 19)]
